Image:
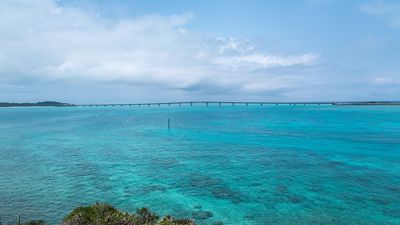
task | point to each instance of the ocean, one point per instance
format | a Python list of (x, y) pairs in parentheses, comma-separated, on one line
[(220, 165)]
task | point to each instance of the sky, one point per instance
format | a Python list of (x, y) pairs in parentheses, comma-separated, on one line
[(130, 51)]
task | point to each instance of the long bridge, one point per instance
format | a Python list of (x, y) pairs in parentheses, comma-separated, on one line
[(220, 103)]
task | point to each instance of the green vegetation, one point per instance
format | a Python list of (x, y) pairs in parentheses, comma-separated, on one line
[(103, 214), (47, 103)]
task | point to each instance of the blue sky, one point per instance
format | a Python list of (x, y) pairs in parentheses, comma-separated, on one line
[(155, 50)]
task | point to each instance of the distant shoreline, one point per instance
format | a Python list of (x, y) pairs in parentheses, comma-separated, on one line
[(37, 104)]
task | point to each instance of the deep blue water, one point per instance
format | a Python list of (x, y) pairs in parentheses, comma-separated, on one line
[(245, 165)]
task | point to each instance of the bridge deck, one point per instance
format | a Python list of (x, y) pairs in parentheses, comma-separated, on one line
[(220, 103)]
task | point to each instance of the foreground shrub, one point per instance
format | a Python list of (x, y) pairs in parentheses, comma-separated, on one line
[(103, 214)]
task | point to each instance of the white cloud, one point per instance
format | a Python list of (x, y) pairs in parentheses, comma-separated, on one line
[(258, 60), (377, 7), (227, 45), (381, 80), (388, 10), (42, 42)]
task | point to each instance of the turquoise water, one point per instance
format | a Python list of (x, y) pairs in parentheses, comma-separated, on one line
[(236, 165)]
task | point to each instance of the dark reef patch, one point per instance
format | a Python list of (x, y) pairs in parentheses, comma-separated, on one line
[(165, 163), (334, 165), (296, 199), (393, 188), (199, 181), (197, 206), (143, 190), (226, 193), (202, 215), (381, 201), (206, 185)]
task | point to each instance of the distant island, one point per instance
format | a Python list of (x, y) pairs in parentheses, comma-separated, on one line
[(46, 103)]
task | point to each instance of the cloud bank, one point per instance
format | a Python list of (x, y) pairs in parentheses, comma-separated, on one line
[(388, 10), (50, 51), (45, 45)]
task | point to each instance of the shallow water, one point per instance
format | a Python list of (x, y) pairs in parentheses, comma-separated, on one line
[(236, 165)]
